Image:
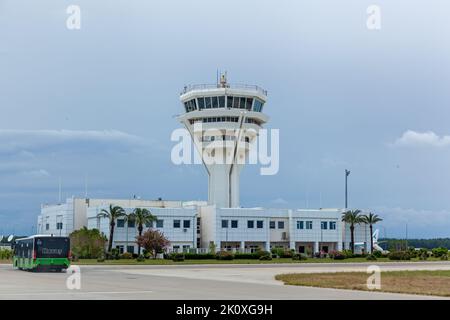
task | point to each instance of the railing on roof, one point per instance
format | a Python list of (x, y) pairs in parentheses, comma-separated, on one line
[(193, 87)]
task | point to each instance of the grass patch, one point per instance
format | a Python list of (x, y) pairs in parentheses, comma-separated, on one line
[(411, 282)]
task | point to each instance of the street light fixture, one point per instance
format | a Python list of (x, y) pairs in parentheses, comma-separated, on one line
[(347, 173)]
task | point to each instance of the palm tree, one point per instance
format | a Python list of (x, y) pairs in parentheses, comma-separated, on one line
[(352, 217), (141, 217), (371, 219), (112, 214)]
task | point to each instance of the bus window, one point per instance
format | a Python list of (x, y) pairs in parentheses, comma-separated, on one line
[(52, 247)]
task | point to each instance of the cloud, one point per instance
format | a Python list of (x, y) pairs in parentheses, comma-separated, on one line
[(421, 223), (29, 142), (279, 201), (412, 138)]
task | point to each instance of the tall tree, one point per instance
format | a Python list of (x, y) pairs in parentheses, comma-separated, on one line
[(352, 217), (141, 218), (371, 219), (112, 214)]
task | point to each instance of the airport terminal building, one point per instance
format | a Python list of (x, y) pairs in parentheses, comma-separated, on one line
[(213, 114)]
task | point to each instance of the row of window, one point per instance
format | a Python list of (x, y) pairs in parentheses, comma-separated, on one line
[(324, 225), (250, 224), (223, 119), (222, 138), (224, 102), (308, 225), (159, 224)]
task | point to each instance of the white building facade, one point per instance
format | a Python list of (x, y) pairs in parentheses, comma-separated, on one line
[(223, 121)]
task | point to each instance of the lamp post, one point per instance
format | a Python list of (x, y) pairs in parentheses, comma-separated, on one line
[(347, 173)]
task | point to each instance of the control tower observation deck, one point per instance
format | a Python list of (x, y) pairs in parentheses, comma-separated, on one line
[(223, 121)]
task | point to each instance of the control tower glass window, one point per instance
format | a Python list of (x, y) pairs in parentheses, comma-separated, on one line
[(208, 102), (236, 102), (229, 101), (258, 105), (221, 102), (201, 103), (249, 104), (215, 102), (242, 104)]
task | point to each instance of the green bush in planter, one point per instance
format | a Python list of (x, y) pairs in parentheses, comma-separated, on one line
[(267, 256), (126, 255), (299, 256), (176, 256), (224, 255), (399, 255), (438, 252), (140, 258)]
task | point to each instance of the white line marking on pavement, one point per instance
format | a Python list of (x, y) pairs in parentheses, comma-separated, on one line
[(73, 292)]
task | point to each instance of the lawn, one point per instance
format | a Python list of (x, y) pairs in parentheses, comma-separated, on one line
[(411, 282)]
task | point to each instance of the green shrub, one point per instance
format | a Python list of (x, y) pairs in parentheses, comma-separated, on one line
[(126, 255), (87, 243), (371, 257), (246, 256), (198, 256), (337, 255), (439, 252), (177, 256), (348, 253), (377, 254), (5, 254), (399, 255), (267, 256), (299, 256), (224, 255), (101, 258), (140, 258), (423, 256), (444, 257)]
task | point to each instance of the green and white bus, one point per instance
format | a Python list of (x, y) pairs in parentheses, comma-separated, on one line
[(42, 252)]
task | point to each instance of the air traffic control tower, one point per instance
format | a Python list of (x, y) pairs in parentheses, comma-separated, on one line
[(223, 120)]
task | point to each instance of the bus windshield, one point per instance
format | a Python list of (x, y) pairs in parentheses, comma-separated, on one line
[(52, 247)]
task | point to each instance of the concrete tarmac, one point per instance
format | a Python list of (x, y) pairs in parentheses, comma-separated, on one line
[(197, 282)]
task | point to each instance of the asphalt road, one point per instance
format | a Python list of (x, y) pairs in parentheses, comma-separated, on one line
[(200, 282)]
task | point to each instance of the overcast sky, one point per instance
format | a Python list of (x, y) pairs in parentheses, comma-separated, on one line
[(100, 102)]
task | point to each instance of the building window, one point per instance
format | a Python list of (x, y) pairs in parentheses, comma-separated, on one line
[(176, 248), (160, 223), (208, 102), (120, 223), (222, 102), (224, 223), (309, 225), (59, 226), (176, 223), (186, 223), (280, 224), (131, 223), (234, 224), (272, 224), (186, 248), (130, 249), (260, 224), (324, 225), (149, 224), (300, 225), (332, 225), (250, 224), (201, 103), (120, 249)]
